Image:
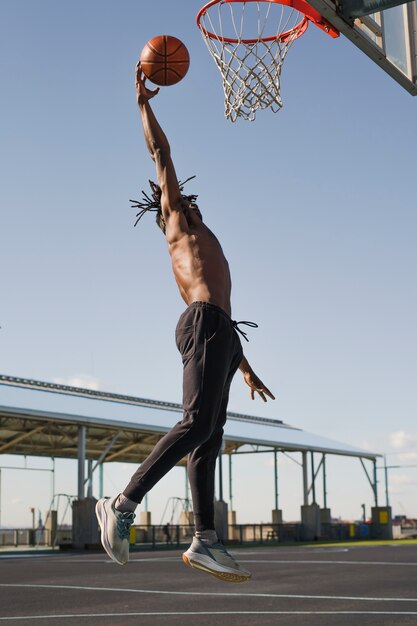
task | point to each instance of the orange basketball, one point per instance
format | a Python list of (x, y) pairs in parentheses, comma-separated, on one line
[(165, 60)]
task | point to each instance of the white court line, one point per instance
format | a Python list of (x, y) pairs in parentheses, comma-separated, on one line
[(23, 556), (173, 559), (175, 613), (176, 559), (284, 548), (272, 561), (207, 593), (326, 562)]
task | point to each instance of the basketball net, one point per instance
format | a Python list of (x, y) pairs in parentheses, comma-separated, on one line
[(250, 66)]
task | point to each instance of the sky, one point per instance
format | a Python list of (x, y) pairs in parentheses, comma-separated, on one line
[(314, 206)]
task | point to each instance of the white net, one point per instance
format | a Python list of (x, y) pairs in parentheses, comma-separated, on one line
[(248, 41)]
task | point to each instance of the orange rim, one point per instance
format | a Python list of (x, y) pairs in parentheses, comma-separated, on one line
[(310, 14)]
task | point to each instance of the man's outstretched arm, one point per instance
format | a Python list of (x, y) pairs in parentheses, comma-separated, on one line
[(158, 147), (255, 383)]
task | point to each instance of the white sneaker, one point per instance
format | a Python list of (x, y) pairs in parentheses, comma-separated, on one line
[(115, 529), (214, 559)]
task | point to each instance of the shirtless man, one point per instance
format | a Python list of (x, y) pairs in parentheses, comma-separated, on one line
[(211, 353)]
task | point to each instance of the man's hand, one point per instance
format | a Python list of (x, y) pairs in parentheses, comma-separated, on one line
[(143, 94), (253, 381), (257, 385)]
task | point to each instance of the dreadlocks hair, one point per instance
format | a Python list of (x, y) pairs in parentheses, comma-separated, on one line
[(153, 202)]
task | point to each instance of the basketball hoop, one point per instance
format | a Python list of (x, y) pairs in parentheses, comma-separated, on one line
[(250, 62)]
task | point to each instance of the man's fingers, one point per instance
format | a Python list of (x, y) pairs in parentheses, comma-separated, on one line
[(139, 73), (268, 393), (252, 394), (265, 391)]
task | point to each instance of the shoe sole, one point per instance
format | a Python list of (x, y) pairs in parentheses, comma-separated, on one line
[(225, 576), (99, 510)]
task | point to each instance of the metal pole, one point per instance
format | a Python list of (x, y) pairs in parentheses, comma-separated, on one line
[(324, 482), (220, 459), (305, 477), (90, 478), (276, 477), (386, 481), (187, 489), (100, 480), (0, 498), (53, 480), (230, 483), (313, 477), (81, 460), (375, 484)]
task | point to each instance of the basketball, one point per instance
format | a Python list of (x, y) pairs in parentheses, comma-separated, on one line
[(165, 60)]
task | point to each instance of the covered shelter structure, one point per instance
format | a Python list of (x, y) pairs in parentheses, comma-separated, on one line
[(95, 427)]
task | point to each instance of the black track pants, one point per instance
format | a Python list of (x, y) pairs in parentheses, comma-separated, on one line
[(211, 353)]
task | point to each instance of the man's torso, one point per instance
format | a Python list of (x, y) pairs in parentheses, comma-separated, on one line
[(198, 263)]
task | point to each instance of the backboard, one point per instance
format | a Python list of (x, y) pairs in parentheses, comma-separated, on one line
[(388, 37)]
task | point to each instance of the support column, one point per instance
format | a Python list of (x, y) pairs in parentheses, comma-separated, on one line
[(386, 482), (305, 478), (51, 526), (187, 491), (90, 478), (81, 460), (325, 514), (230, 483), (276, 477), (231, 516), (276, 512), (375, 484), (220, 462), (53, 481), (84, 522), (100, 480), (310, 513), (221, 521), (313, 477)]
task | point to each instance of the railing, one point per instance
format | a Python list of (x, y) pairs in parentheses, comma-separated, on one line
[(23, 537), (244, 534), (31, 537), (159, 536)]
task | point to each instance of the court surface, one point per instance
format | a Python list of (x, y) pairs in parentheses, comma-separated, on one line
[(291, 585)]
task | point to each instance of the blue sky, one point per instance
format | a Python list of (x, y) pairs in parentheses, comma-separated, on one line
[(314, 206)]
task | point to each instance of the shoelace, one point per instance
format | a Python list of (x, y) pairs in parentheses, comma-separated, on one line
[(236, 325), (124, 522), (220, 547)]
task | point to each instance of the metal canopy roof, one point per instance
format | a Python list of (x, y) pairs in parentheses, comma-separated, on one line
[(43, 419)]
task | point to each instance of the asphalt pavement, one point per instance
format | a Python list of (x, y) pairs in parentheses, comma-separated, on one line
[(317, 586)]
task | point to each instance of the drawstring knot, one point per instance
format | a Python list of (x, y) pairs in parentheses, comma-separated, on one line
[(236, 327)]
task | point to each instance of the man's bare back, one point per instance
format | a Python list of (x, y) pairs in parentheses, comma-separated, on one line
[(199, 265)]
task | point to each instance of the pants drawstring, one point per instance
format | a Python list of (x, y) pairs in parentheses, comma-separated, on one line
[(236, 327)]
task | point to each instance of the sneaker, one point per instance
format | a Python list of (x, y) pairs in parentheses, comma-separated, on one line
[(115, 529), (214, 559)]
